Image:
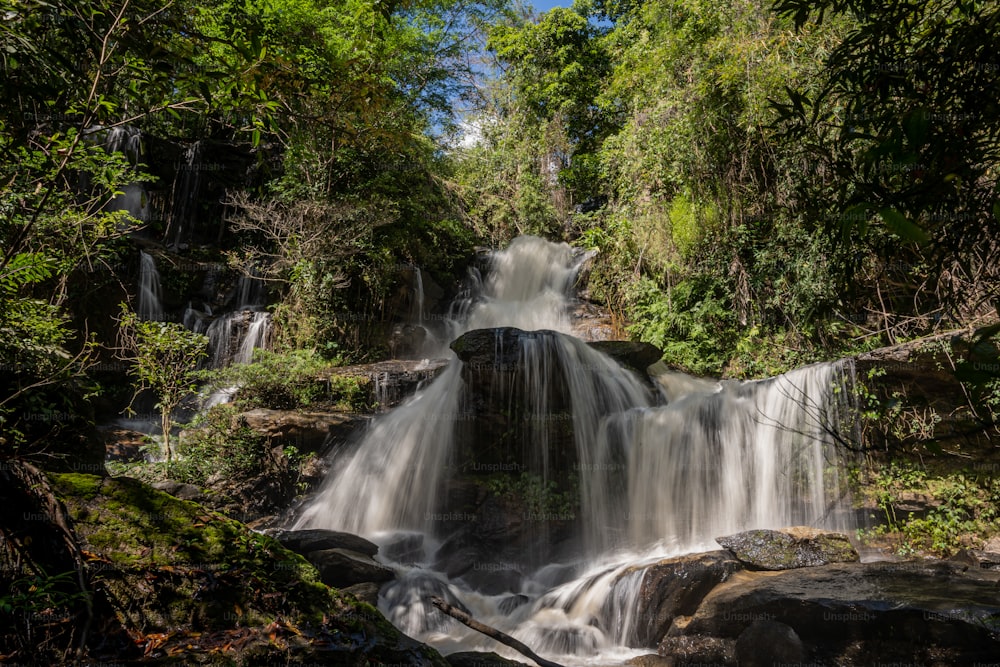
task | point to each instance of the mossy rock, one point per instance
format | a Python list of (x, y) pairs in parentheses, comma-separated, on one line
[(789, 548), (207, 587)]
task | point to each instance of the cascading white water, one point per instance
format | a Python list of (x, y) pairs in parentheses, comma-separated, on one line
[(654, 480), (718, 458), (528, 286), (150, 306), (232, 337), (134, 197), (255, 337)]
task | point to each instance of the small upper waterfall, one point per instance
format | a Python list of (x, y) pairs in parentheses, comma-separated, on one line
[(134, 197), (150, 307), (616, 469), (233, 336)]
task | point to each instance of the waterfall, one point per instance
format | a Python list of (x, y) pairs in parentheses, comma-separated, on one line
[(657, 472), (150, 307), (232, 337), (186, 187), (134, 198), (255, 337)]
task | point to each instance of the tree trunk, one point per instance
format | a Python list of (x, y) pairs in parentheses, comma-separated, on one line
[(165, 413)]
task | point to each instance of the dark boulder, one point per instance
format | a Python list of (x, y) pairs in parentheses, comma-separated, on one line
[(341, 568), (765, 643), (307, 541), (632, 355)]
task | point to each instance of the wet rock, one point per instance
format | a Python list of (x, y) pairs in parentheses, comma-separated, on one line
[(340, 568), (494, 578), (407, 603), (988, 560), (632, 355), (477, 659), (512, 602), (306, 541), (366, 592), (789, 548), (714, 651), (406, 548), (850, 613), (391, 382), (673, 587), (650, 660), (765, 643)]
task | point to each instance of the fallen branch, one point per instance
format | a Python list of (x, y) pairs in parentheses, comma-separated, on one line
[(491, 632)]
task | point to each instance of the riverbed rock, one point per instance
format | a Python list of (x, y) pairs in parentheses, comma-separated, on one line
[(789, 548), (340, 568), (307, 541), (405, 548), (670, 588), (853, 613)]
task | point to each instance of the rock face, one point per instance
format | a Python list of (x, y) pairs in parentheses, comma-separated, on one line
[(847, 613), (765, 643), (675, 587), (391, 382), (307, 541), (516, 488), (789, 548), (921, 372), (307, 431)]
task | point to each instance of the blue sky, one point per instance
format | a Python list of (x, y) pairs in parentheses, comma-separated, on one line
[(546, 5)]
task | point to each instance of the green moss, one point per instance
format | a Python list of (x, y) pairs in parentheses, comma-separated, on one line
[(79, 484), (172, 566)]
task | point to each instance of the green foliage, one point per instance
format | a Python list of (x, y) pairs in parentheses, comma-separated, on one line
[(42, 595), (165, 358), (687, 323), (963, 508), (904, 152), (290, 380), (540, 500), (219, 443)]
